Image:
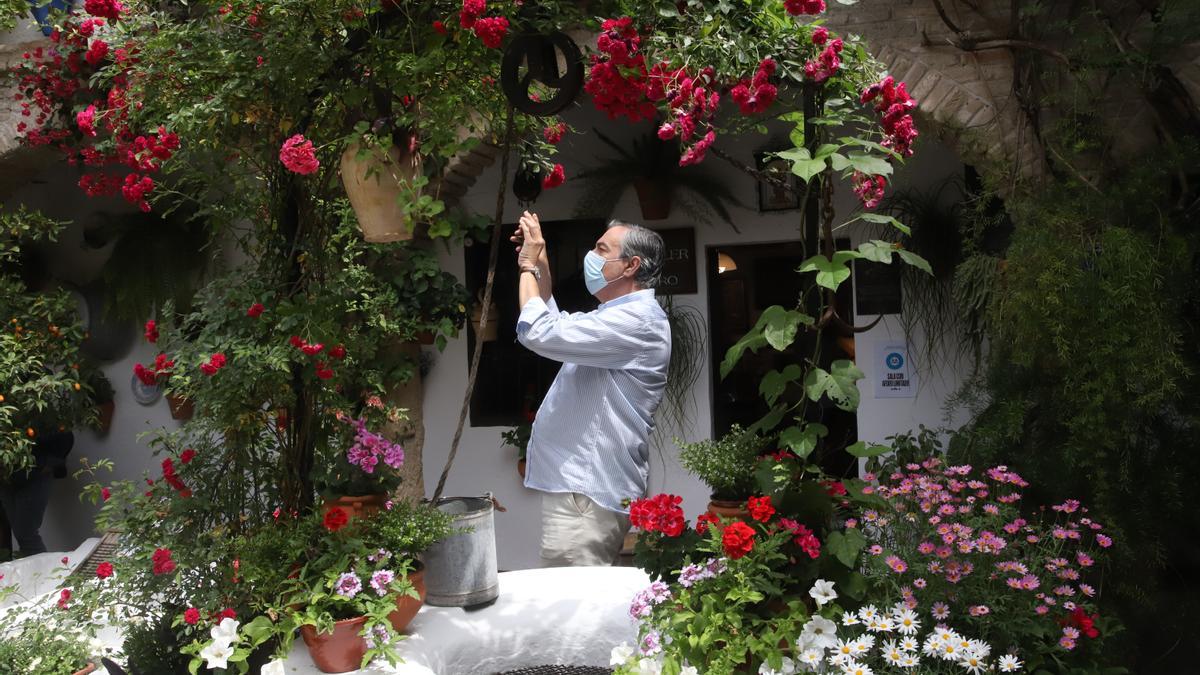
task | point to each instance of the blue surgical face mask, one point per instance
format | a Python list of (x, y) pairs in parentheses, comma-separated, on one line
[(593, 271)]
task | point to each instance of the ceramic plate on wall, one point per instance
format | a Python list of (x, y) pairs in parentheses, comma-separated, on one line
[(143, 394)]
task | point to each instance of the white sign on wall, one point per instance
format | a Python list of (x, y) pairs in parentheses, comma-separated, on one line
[(894, 373)]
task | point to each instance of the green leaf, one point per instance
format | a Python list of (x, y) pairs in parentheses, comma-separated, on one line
[(916, 261), (830, 273), (838, 161), (870, 164), (845, 546), (796, 136), (774, 383), (803, 441), (883, 219), (780, 326), (877, 250), (864, 451), (838, 384), (803, 164), (768, 421)]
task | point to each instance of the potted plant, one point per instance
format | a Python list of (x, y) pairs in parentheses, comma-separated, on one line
[(727, 466), (518, 437), (359, 478), (103, 395), (380, 179), (47, 648), (652, 167), (404, 531)]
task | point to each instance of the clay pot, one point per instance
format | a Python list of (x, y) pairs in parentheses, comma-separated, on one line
[(654, 200), (86, 669), (340, 651), (727, 509), (406, 606), (374, 185), (106, 411), (489, 330), (521, 468), (181, 408), (357, 506), (426, 337)]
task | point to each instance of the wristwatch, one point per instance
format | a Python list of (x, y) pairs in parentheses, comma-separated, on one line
[(537, 274)]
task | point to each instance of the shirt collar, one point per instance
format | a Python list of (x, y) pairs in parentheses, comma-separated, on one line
[(644, 295)]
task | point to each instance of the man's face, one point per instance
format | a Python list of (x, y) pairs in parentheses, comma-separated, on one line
[(609, 245)]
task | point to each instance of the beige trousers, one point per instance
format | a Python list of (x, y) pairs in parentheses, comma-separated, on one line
[(578, 532)]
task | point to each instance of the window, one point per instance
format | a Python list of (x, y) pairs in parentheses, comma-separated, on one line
[(512, 380)]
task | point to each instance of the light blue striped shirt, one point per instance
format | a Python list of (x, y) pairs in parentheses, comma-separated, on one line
[(592, 431)]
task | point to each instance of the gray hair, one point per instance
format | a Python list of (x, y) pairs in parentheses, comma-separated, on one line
[(646, 244)]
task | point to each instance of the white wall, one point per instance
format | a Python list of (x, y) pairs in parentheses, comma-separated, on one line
[(484, 465)]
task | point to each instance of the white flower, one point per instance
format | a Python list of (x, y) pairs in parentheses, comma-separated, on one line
[(909, 661), (620, 654), (863, 644), (867, 613), (822, 591), (812, 657), (649, 666), (972, 663), (689, 670), (1009, 664), (225, 632), (855, 668), (907, 622), (819, 633), (216, 654), (908, 644), (273, 668)]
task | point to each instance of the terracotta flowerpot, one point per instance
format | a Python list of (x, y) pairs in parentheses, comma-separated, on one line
[(356, 506), (425, 337), (374, 185), (728, 509), (340, 651), (521, 467), (489, 330), (106, 411), (406, 606), (86, 669), (181, 408), (653, 198)]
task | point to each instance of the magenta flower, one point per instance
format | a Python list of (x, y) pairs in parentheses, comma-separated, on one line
[(348, 585), (381, 580)]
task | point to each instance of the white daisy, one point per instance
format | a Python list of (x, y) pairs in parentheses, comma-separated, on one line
[(867, 613), (1009, 664), (972, 663), (812, 657), (909, 661), (850, 619), (909, 644), (854, 668), (844, 648), (863, 644), (907, 622), (980, 647)]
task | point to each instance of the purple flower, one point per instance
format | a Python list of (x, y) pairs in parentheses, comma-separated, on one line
[(377, 636), (381, 580), (644, 602), (651, 644), (348, 585)]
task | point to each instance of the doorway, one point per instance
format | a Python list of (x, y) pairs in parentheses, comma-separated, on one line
[(743, 281)]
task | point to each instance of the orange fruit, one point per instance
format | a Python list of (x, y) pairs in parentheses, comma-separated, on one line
[(30, 432)]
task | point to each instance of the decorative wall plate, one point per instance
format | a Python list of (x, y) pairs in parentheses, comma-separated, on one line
[(143, 394)]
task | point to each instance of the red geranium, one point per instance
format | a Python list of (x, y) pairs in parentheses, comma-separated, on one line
[(471, 11), (255, 310), (104, 570), (191, 616), (760, 508), (324, 372), (797, 7), (215, 363), (312, 349), (109, 9), (834, 488), (803, 537), (337, 352), (63, 597), (187, 455), (298, 155), (162, 561), (553, 134), (105, 493), (151, 331), (335, 519), (439, 27), (738, 540), (703, 520), (660, 513), (226, 613), (1080, 619)]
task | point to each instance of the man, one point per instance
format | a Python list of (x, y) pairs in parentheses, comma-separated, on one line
[(589, 451)]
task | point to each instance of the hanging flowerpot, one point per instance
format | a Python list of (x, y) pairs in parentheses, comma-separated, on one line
[(181, 408), (408, 606), (357, 506), (105, 412), (340, 651), (653, 198), (375, 183), (86, 669), (41, 14), (489, 330)]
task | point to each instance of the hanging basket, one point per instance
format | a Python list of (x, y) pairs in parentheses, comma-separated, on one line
[(374, 183), (489, 330)]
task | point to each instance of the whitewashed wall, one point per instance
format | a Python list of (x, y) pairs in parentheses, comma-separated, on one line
[(483, 463)]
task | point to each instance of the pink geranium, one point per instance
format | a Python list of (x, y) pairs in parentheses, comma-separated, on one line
[(299, 156)]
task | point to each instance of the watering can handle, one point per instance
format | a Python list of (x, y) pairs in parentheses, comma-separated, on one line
[(495, 502)]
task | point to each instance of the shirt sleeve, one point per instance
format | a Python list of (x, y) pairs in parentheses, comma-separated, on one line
[(600, 339)]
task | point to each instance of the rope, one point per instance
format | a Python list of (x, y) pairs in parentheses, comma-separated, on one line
[(493, 256)]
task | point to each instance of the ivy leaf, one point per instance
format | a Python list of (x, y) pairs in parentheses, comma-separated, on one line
[(774, 383), (752, 341), (830, 273), (864, 451), (838, 384), (916, 261), (803, 163), (803, 441), (877, 250), (838, 161), (883, 219), (869, 164), (780, 325)]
